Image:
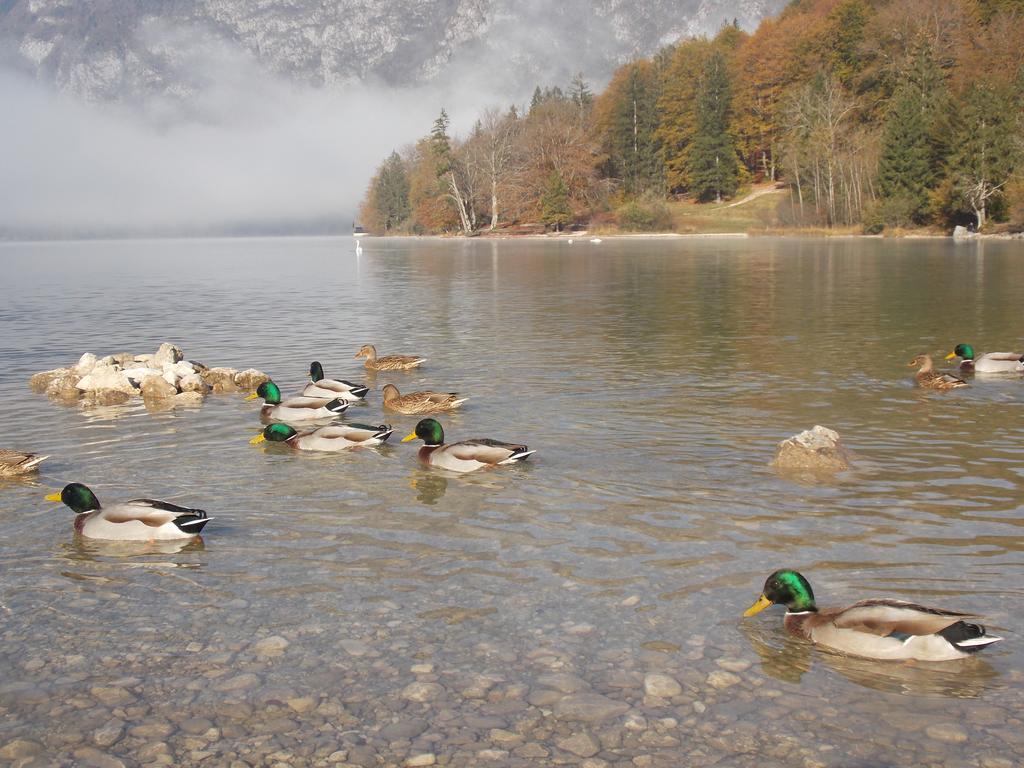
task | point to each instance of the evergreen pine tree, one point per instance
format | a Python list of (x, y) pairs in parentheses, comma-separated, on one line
[(581, 96), (905, 173), (631, 144), (554, 203), (988, 149), (391, 193), (713, 166), (440, 144)]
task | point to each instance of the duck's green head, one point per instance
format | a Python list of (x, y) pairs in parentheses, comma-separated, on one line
[(429, 431), (78, 497), (275, 433), (964, 351), (269, 391), (316, 371), (785, 587)]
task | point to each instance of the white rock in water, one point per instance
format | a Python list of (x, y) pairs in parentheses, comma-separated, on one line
[(157, 388), (962, 233), (250, 378), (193, 382), (106, 377), (179, 369), (168, 353), (85, 364), (815, 449), (138, 374)]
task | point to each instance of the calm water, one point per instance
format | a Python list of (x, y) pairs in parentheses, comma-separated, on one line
[(654, 378)]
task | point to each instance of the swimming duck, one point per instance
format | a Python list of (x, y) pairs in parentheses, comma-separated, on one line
[(338, 437), (420, 402), (331, 388), (875, 629), (464, 456), (295, 408), (929, 378), (13, 463), (134, 520), (388, 362), (992, 362)]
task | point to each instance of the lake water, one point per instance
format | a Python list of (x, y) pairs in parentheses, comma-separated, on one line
[(360, 609)]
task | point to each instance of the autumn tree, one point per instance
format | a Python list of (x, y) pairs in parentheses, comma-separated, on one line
[(493, 154), (552, 140), (831, 160)]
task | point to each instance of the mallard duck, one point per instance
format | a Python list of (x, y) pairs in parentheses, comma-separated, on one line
[(875, 629), (134, 520), (464, 456), (929, 378), (333, 438), (295, 408), (420, 402), (331, 388), (389, 362), (992, 362), (13, 463)]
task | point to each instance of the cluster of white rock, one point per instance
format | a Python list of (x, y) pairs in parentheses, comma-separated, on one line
[(164, 378)]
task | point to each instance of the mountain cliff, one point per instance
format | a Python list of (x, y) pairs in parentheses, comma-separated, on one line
[(127, 50)]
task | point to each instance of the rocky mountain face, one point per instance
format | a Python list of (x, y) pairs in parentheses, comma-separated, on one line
[(127, 50)]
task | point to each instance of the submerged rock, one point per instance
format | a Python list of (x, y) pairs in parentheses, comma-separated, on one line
[(106, 397), (157, 388), (40, 381), (819, 449)]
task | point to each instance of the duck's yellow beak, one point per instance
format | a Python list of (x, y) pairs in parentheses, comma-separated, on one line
[(951, 355), (762, 603), (54, 496), (410, 436), (253, 396), (258, 439)]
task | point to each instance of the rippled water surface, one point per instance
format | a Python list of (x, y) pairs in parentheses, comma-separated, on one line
[(360, 609)]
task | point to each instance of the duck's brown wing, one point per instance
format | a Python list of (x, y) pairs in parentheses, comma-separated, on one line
[(883, 617)]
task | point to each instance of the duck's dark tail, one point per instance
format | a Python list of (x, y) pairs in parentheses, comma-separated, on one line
[(192, 523), (969, 638), (337, 405), (357, 390)]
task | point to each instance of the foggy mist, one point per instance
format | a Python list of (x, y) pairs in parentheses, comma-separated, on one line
[(250, 153)]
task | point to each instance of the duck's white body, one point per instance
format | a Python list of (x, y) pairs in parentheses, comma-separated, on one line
[(470, 455), (341, 437), (299, 409), (996, 362), (887, 629), (141, 520), (332, 388)]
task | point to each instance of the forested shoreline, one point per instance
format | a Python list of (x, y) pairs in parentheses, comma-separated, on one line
[(874, 115)]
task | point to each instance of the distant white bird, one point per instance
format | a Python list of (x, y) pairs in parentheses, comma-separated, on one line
[(595, 239), (569, 241)]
